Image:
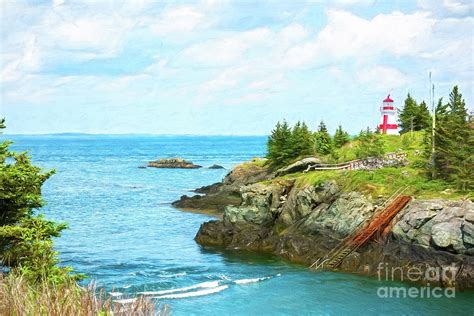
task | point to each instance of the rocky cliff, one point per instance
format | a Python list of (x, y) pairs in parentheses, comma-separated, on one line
[(303, 223)]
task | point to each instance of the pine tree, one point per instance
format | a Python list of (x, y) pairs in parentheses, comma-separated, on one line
[(407, 114), (454, 150), (422, 117), (413, 116), (25, 239), (369, 144), (279, 149), (301, 140), (323, 140), (340, 137), (458, 149)]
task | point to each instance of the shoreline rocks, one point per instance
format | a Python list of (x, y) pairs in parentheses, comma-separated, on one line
[(302, 223), (219, 195), (173, 163)]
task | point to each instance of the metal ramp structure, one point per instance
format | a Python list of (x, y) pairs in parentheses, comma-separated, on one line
[(365, 231)]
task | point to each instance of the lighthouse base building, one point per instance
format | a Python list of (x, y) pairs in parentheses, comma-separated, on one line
[(388, 124)]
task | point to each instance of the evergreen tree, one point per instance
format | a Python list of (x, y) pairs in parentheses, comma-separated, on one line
[(423, 117), (25, 239), (340, 137), (323, 140), (454, 143), (279, 149), (407, 114), (414, 116), (369, 144), (301, 140)]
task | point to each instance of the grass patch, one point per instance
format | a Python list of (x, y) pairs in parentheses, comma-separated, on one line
[(381, 182), (19, 297), (408, 143)]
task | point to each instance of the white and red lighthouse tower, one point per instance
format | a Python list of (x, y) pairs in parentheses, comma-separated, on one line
[(388, 124)]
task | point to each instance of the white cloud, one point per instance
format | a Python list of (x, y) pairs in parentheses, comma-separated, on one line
[(178, 20), (94, 36), (28, 60), (347, 35), (458, 7), (382, 77), (229, 49)]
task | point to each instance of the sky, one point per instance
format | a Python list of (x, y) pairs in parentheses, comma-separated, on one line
[(224, 67)]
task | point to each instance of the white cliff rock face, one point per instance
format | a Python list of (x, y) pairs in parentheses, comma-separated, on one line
[(438, 223)]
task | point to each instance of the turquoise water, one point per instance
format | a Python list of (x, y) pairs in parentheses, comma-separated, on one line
[(125, 234)]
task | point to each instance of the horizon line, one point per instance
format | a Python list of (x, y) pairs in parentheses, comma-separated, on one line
[(127, 134)]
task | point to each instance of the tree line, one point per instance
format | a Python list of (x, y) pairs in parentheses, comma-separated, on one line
[(287, 143)]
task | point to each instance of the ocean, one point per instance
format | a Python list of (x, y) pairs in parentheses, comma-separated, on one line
[(124, 234)]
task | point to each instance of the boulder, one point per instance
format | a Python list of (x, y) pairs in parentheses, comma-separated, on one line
[(303, 201), (469, 215), (341, 215), (259, 203), (173, 163), (468, 234), (244, 174), (448, 234), (298, 166)]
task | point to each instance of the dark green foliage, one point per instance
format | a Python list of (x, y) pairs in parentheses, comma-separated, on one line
[(341, 137), (279, 145), (414, 116), (302, 142), (286, 144), (369, 144), (454, 143), (25, 239), (323, 140)]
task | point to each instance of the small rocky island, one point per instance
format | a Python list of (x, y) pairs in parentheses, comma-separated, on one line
[(179, 163)]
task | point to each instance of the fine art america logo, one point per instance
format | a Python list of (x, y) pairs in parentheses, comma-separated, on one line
[(445, 275)]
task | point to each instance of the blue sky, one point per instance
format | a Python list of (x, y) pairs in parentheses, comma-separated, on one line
[(224, 67)]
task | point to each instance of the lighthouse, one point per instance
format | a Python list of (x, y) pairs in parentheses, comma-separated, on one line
[(388, 124)]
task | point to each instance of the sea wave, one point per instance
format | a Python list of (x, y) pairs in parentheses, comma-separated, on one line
[(210, 284), (252, 280), (193, 293)]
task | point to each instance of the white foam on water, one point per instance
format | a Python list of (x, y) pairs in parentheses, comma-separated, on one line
[(209, 284), (125, 301), (115, 294), (253, 280), (176, 275), (193, 293)]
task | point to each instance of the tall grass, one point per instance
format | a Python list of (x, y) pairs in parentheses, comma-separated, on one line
[(18, 297)]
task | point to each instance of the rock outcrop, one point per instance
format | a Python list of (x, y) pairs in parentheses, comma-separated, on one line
[(303, 223), (300, 165), (446, 225), (173, 163), (219, 195)]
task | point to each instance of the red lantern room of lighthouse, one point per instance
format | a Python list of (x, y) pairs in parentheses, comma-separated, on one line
[(388, 124)]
